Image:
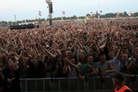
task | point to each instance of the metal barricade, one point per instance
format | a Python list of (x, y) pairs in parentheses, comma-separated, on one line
[(91, 84)]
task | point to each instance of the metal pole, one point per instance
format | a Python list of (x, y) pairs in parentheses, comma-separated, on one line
[(50, 18), (15, 19)]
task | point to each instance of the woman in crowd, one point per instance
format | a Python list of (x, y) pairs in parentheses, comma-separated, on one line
[(36, 69)]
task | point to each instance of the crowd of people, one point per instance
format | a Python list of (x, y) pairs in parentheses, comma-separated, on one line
[(71, 48)]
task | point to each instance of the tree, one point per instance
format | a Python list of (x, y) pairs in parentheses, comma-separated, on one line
[(74, 17), (88, 15), (125, 14), (110, 15), (136, 14)]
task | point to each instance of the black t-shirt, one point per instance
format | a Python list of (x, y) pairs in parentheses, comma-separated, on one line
[(127, 90)]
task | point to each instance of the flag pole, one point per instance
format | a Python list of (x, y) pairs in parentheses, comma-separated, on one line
[(15, 19), (39, 20), (63, 14)]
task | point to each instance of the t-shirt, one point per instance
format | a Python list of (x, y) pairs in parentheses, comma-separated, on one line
[(87, 69)]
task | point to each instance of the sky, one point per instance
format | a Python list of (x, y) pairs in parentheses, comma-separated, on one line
[(11, 10)]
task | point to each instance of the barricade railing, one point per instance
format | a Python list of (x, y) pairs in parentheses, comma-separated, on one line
[(71, 84)]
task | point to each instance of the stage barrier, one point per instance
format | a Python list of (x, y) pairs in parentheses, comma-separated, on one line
[(92, 84)]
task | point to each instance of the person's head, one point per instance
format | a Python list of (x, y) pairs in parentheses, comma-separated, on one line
[(73, 61), (59, 59), (64, 53), (90, 59), (69, 44), (95, 55), (111, 54), (110, 45), (12, 55), (47, 43), (82, 54), (34, 61), (48, 60), (24, 59), (125, 50), (124, 57), (102, 57), (117, 78), (70, 54), (11, 64)]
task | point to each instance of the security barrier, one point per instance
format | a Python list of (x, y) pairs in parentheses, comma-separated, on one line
[(93, 84)]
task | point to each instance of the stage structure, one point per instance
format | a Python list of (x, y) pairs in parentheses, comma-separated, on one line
[(27, 25)]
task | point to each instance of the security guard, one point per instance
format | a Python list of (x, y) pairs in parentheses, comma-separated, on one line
[(117, 79)]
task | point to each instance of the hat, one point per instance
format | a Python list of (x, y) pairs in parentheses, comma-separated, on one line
[(119, 76), (102, 53)]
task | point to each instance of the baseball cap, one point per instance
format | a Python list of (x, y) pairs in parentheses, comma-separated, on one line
[(119, 76)]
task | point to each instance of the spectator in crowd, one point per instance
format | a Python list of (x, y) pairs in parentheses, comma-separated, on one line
[(111, 55), (2, 78), (48, 62), (105, 67), (72, 71), (69, 62), (59, 65), (133, 66), (90, 68), (24, 66), (12, 75), (36, 69), (123, 63), (81, 61), (95, 56)]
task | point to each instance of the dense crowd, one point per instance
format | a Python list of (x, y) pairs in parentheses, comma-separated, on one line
[(72, 48)]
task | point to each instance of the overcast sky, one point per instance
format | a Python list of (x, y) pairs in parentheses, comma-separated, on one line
[(28, 9)]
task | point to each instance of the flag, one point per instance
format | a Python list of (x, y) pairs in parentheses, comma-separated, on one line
[(39, 13), (117, 15), (63, 12)]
